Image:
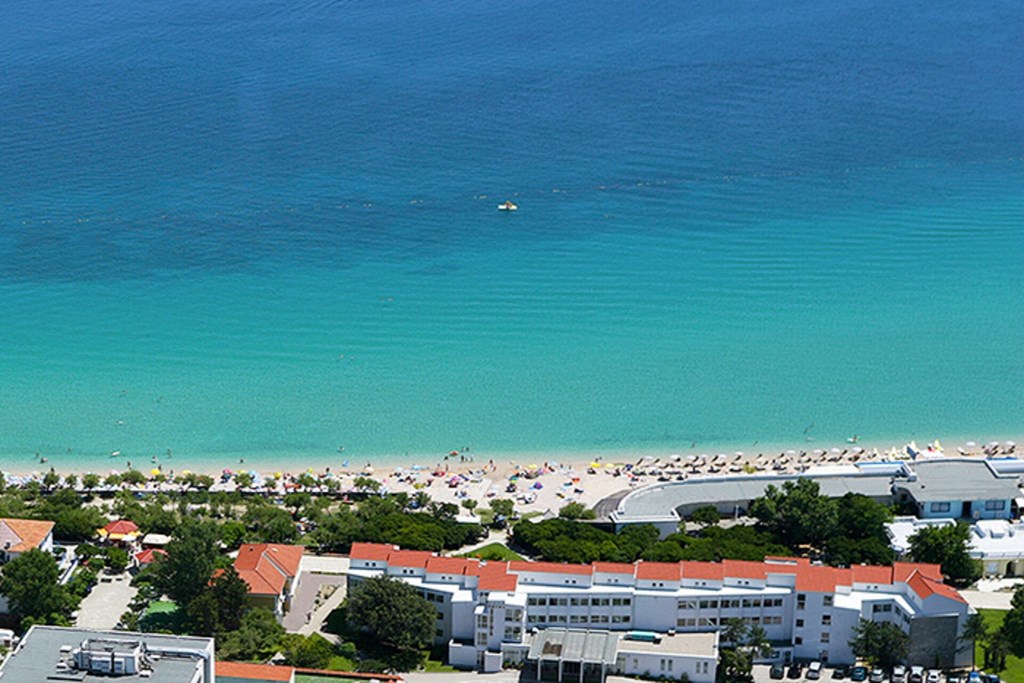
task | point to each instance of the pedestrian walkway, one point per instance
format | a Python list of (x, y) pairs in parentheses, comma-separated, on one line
[(109, 599)]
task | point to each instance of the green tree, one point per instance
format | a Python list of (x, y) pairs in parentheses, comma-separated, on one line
[(307, 652), (948, 546), (90, 481), (1012, 630), (244, 480), (975, 630), (576, 510), (706, 515), (232, 534), (741, 644), (230, 591), (271, 524), (50, 479), (71, 481), (257, 638), (31, 585), (133, 478), (797, 514), (117, 559), (881, 643), (469, 504), (392, 611), (366, 484), (191, 557)]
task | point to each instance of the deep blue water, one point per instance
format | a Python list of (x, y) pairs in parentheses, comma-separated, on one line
[(269, 229)]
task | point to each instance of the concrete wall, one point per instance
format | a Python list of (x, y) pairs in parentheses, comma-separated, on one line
[(933, 642)]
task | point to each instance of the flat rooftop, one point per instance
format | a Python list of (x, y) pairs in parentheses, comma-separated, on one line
[(36, 657), (598, 646), (660, 500), (696, 644), (959, 479)]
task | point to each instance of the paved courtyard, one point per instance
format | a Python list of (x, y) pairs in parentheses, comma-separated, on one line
[(109, 599), (319, 574)]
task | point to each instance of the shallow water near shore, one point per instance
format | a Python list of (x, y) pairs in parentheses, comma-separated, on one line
[(241, 231)]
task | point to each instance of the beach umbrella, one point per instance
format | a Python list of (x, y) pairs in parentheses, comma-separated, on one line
[(836, 451), (153, 472), (971, 444), (1010, 444), (538, 485)]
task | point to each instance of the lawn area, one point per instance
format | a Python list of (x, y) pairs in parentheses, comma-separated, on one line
[(162, 616), (494, 551), (1014, 672)]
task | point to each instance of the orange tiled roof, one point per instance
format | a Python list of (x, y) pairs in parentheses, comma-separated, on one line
[(371, 551), (496, 581), (659, 571), (868, 573), (901, 571), (711, 571), (926, 587), (447, 565), (255, 672), (30, 532), (267, 567), (550, 567), (614, 568), (409, 558), (149, 556), (743, 569), (121, 526)]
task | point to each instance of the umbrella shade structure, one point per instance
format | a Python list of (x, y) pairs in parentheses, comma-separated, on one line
[(154, 472), (538, 485), (121, 530)]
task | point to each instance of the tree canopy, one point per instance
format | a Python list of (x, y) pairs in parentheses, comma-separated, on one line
[(881, 643), (185, 572), (948, 546), (391, 610), (30, 583)]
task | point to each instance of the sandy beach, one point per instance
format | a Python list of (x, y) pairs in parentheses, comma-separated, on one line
[(541, 485)]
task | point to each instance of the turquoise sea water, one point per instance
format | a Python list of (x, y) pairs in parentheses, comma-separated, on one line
[(267, 230)]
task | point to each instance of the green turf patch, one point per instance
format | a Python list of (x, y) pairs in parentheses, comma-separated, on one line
[(494, 551), (1014, 672)]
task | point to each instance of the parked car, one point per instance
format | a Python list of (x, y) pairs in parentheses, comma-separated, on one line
[(814, 671), (974, 677), (777, 672), (933, 676), (917, 674), (899, 674), (796, 670), (840, 672), (859, 673), (991, 678), (876, 676)]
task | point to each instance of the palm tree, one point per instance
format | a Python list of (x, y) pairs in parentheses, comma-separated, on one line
[(975, 630)]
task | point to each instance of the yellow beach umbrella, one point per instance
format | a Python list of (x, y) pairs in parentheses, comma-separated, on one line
[(154, 472)]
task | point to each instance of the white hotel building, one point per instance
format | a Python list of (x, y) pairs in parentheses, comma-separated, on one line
[(489, 613)]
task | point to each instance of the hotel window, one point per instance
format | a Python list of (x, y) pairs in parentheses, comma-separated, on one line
[(826, 619), (799, 623), (995, 504), (688, 622), (801, 600), (798, 641), (940, 507), (687, 604), (708, 621), (577, 619), (541, 619), (824, 637), (709, 604), (827, 601)]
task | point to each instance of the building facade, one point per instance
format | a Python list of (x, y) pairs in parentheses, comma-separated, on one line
[(488, 611), (272, 572)]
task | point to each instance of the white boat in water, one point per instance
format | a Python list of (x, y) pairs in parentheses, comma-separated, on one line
[(507, 206)]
